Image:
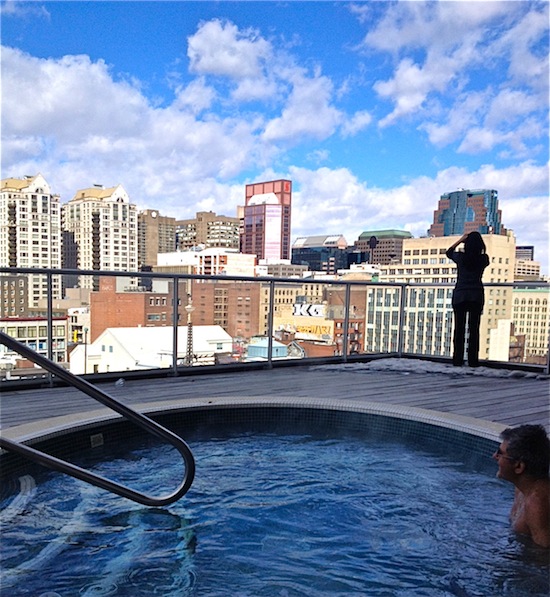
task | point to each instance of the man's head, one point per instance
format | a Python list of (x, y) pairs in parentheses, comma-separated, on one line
[(527, 444)]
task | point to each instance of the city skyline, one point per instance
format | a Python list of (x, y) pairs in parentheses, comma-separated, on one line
[(372, 118)]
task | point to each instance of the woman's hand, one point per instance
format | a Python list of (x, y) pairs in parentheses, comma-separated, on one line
[(460, 240)]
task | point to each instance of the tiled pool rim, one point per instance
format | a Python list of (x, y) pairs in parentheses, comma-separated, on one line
[(66, 434)]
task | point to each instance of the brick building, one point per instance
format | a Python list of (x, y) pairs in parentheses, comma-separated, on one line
[(112, 307)]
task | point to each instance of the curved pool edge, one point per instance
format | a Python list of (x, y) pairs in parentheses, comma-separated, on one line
[(55, 427)]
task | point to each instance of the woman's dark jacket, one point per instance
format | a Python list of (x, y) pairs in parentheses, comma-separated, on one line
[(469, 287)]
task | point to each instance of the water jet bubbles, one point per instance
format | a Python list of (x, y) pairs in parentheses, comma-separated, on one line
[(50, 594)]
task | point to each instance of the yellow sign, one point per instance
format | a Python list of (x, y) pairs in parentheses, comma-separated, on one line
[(318, 330)]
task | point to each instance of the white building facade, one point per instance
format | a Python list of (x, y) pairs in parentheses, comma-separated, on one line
[(30, 231), (531, 318), (100, 232), (211, 262), (134, 349)]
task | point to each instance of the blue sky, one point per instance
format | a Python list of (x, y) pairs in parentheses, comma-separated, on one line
[(372, 109)]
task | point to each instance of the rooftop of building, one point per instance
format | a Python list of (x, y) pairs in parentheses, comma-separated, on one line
[(15, 183), (470, 191), (384, 234), (330, 240), (98, 192)]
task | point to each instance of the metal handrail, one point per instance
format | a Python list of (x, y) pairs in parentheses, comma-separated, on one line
[(130, 414)]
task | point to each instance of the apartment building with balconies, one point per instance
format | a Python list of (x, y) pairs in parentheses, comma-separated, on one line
[(100, 233), (30, 232)]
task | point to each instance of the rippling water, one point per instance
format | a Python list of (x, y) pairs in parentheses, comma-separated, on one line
[(272, 515)]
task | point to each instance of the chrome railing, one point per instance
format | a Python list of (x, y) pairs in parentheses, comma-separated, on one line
[(73, 470)]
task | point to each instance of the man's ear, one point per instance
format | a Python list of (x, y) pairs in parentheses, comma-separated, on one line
[(519, 467)]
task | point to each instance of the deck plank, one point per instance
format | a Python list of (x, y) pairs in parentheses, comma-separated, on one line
[(505, 400)]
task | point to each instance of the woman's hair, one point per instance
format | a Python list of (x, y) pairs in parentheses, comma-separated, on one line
[(530, 445), (474, 247)]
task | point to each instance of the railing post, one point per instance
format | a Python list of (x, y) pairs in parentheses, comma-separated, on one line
[(270, 315), (49, 308), (175, 314), (402, 305), (345, 340), (547, 368)]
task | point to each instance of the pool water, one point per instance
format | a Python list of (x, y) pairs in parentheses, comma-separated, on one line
[(274, 515)]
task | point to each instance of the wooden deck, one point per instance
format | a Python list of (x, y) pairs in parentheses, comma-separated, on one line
[(473, 393)]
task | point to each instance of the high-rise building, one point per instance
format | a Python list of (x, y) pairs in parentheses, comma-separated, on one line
[(209, 230), (466, 211), (525, 252), (265, 217), (100, 232), (321, 253), (383, 246), (156, 234), (531, 318), (30, 231)]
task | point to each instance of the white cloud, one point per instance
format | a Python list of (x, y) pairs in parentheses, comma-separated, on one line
[(441, 51), (220, 48), (411, 85), (77, 98), (359, 121), (254, 89), (86, 118), (482, 121), (462, 116), (308, 112), (509, 105), (484, 139), (197, 96), (527, 66), (259, 73), (33, 10), (444, 25)]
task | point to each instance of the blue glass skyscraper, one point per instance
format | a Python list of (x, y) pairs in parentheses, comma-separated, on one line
[(464, 211)]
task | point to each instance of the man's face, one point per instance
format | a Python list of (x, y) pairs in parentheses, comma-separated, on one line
[(506, 465)]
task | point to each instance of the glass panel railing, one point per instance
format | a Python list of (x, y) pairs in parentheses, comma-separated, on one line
[(428, 321), (106, 322), (386, 322), (518, 321)]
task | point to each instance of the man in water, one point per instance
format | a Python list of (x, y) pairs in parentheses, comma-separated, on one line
[(523, 459)]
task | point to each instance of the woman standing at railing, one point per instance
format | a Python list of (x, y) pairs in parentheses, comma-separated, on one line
[(468, 295)]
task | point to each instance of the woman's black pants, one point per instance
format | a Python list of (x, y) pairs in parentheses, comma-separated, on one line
[(473, 310)]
